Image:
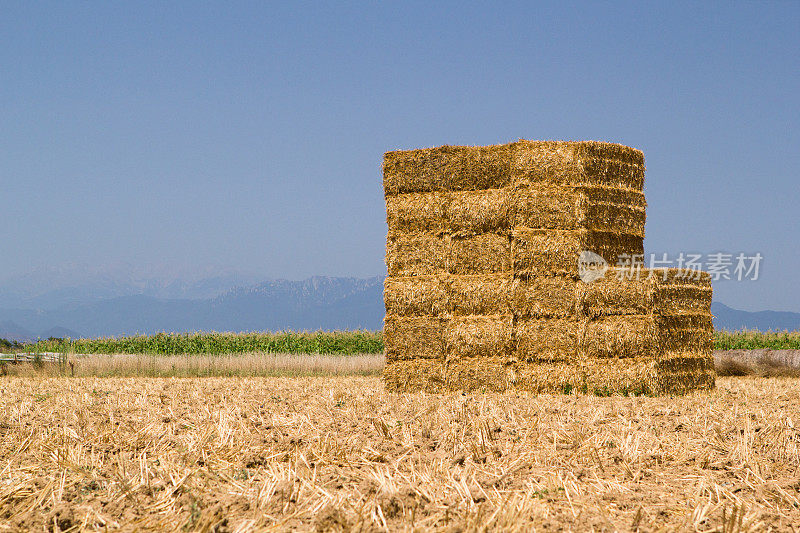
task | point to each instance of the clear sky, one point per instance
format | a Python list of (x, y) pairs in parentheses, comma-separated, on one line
[(250, 135)]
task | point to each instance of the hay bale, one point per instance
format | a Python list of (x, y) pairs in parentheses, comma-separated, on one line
[(474, 212), (488, 253), (416, 254), (567, 207), (414, 337), (621, 376), (543, 377), (415, 296), (482, 294), (485, 374), (479, 336), (624, 337), (544, 297), (427, 375), (451, 168), (555, 252), (416, 212), (611, 295), (685, 333), (677, 292), (546, 339), (434, 376), (683, 373), (547, 207), (612, 210), (577, 163), (458, 168)]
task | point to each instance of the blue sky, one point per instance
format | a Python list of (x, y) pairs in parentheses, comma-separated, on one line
[(249, 135)]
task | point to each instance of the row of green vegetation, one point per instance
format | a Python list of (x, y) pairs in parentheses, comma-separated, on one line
[(340, 342), (337, 342), (752, 340)]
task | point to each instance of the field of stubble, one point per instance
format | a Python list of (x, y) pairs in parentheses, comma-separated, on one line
[(341, 454)]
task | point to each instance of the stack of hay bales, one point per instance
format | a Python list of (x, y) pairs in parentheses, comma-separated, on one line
[(483, 289)]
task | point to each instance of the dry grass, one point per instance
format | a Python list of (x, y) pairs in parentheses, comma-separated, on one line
[(243, 365), (763, 362), (236, 454)]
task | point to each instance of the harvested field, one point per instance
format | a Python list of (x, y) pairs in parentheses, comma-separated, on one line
[(332, 454)]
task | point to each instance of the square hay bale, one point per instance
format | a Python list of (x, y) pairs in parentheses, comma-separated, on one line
[(680, 291), (415, 296), (481, 294), (429, 375), (416, 254), (475, 212), (683, 373), (479, 336), (416, 212), (546, 339), (414, 337), (619, 337), (544, 297), (608, 376), (685, 333), (556, 252), (488, 253), (566, 207), (577, 163), (547, 207), (485, 374), (614, 294), (544, 377), (408, 375), (613, 210), (447, 168), (645, 336)]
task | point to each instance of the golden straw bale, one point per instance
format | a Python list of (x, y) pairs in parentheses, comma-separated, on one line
[(547, 207), (416, 212), (680, 291), (427, 375), (414, 337), (546, 339), (479, 336), (622, 336), (487, 253), (490, 374), (542, 297), (566, 207), (556, 252), (685, 332), (612, 210), (543, 377), (612, 151), (456, 168), (415, 295), (483, 211), (576, 163), (614, 295), (621, 376), (683, 373), (452, 168), (685, 382), (483, 167), (611, 173), (482, 294), (416, 254)]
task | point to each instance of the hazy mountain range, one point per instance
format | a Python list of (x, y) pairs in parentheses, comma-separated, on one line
[(108, 306)]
